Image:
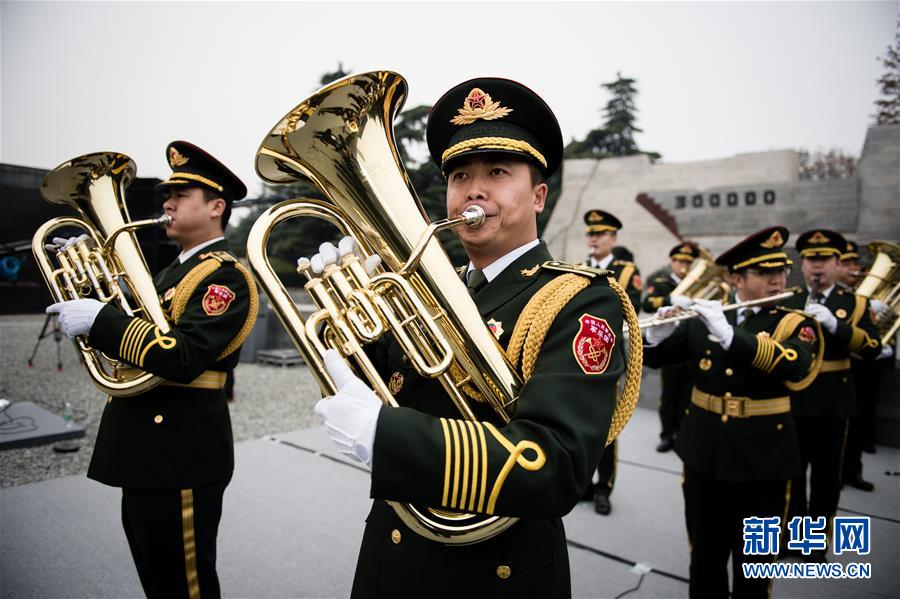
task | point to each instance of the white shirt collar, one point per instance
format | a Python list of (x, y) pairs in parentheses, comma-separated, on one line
[(183, 256), (601, 264), (492, 270), (825, 292), (675, 277)]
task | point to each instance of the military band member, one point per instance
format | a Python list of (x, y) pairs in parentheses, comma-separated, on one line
[(602, 235), (497, 142), (738, 441), (822, 409), (676, 378), (170, 449)]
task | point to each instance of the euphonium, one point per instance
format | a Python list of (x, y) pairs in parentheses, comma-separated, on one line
[(705, 280), (341, 140), (105, 262), (882, 282)]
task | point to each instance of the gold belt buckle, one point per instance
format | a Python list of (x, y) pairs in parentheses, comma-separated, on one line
[(734, 408)]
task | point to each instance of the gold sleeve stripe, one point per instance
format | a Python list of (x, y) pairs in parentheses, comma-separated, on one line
[(125, 335), (134, 335), (785, 353), (464, 474), (163, 341), (139, 340), (446, 461), (455, 492), (770, 352), (475, 456), (484, 467)]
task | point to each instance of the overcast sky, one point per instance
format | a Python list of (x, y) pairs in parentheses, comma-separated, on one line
[(714, 79)]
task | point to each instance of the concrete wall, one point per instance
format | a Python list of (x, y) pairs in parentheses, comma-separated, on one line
[(719, 202)]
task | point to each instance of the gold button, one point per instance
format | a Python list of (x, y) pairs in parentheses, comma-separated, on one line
[(728, 372), (396, 537), (504, 572), (157, 419), (779, 427), (728, 394), (844, 380), (724, 417), (709, 352)]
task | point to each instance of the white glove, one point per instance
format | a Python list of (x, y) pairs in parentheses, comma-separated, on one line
[(60, 243), (880, 308), (681, 301), (76, 317), (887, 351), (713, 317), (823, 315), (350, 416), (659, 333), (328, 254)]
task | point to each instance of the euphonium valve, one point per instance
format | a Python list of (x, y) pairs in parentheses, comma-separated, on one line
[(104, 262), (341, 140)]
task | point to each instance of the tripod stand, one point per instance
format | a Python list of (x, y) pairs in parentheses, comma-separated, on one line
[(57, 336)]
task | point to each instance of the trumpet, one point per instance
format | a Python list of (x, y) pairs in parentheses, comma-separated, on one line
[(688, 314)]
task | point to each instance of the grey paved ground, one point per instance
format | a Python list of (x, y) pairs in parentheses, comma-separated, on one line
[(294, 512)]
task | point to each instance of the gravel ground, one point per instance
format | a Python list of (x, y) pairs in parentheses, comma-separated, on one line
[(268, 399)]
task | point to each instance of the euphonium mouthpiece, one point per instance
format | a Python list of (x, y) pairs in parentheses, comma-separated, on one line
[(474, 216)]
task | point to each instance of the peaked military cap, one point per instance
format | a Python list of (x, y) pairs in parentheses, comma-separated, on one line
[(763, 249), (851, 251), (193, 167), (687, 252), (493, 115), (598, 221), (821, 242)]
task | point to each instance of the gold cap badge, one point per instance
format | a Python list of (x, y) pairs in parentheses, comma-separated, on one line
[(775, 240), (176, 158), (818, 237), (479, 105)]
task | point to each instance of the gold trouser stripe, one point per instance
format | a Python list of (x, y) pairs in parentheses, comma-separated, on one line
[(740, 407), (835, 365), (211, 379), (190, 545)]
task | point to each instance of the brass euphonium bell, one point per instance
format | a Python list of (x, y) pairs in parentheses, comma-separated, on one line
[(105, 262), (341, 140), (882, 282), (704, 280)]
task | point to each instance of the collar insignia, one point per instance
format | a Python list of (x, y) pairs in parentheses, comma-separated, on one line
[(775, 240), (479, 105), (176, 158), (529, 272), (496, 328), (818, 237), (169, 294)]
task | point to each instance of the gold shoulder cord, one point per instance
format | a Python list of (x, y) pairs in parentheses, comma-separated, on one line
[(534, 323), (784, 330), (189, 283)]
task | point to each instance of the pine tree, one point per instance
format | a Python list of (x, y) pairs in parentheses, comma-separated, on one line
[(888, 105)]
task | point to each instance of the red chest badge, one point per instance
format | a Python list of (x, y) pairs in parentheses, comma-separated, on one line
[(593, 344), (217, 300)]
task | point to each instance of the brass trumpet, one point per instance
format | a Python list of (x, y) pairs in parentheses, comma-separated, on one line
[(341, 140), (104, 261)]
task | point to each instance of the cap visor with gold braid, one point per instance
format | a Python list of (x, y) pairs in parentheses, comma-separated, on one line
[(193, 167), (763, 249), (821, 243)]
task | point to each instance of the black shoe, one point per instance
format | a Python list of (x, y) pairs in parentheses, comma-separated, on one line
[(601, 503), (857, 482), (666, 444)]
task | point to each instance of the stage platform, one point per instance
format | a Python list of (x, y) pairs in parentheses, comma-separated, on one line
[(294, 515)]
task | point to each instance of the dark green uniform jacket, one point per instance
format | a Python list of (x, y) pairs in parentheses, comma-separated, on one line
[(174, 437), (536, 467), (832, 394), (758, 448), (627, 275)]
